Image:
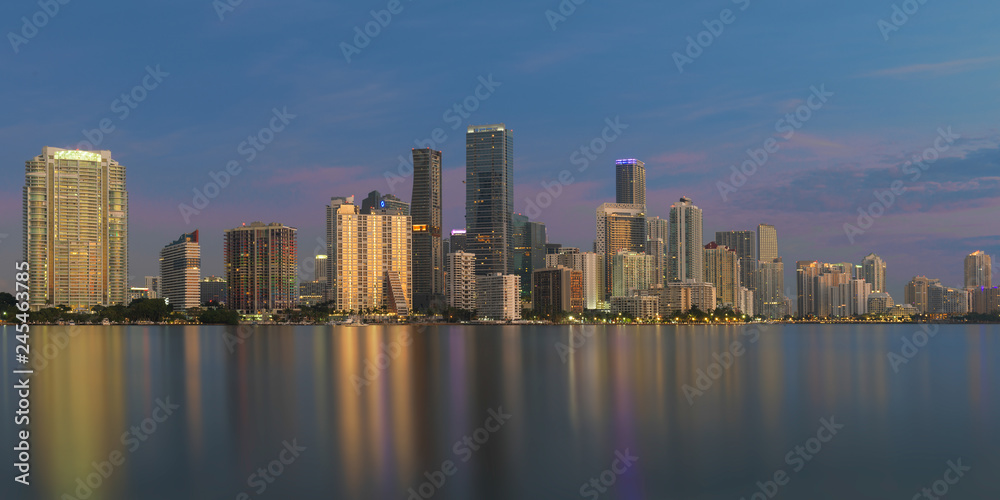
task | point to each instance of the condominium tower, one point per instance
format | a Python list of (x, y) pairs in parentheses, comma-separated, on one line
[(180, 270), (261, 264), (489, 197), (75, 223), (620, 227), (685, 255), (428, 259), (630, 182), (978, 270)]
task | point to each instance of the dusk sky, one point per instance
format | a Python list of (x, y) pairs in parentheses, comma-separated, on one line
[(222, 79)]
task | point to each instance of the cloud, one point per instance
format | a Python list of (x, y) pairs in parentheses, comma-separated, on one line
[(942, 68)]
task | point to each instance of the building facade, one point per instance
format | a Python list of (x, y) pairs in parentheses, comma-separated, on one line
[(767, 243), (498, 297), (489, 202), (630, 182), (631, 271), (427, 259), (588, 264), (528, 240), (557, 290), (685, 252), (620, 227), (769, 298), (213, 289), (985, 300), (637, 305), (873, 271), (978, 270), (722, 268), (917, 291), (461, 280), (180, 271), (261, 263), (75, 229), (744, 243)]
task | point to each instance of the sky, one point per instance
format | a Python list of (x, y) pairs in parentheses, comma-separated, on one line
[(840, 96)]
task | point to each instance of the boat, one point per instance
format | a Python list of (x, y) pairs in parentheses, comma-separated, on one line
[(106, 322)]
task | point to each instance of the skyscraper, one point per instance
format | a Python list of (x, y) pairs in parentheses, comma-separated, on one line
[(588, 263), (722, 268), (75, 223), (489, 200), (153, 285), (917, 293), (873, 271), (631, 271), (657, 236), (370, 259), (620, 226), (557, 290), (180, 270), (428, 259), (744, 243), (978, 270), (498, 297), (320, 271), (261, 264), (630, 182), (769, 298), (459, 238), (461, 278), (767, 243), (685, 255), (377, 202), (528, 240)]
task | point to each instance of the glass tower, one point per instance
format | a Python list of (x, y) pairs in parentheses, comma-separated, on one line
[(630, 185), (489, 200), (428, 257)]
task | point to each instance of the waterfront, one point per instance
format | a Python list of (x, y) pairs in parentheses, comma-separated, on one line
[(578, 399)]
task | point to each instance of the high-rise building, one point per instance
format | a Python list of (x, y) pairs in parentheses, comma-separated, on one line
[(461, 280), (153, 285), (945, 300), (620, 227), (722, 269), (489, 197), (880, 303), (851, 298), (180, 270), (631, 271), (917, 291), (806, 273), (376, 202), (985, 300), (639, 305), (75, 229), (557, 290), (744, 243), (213, 289), (630, 185), (588, 264), (681, 296), (261, 267), (873, 271), (818, 287), (136, 293), (767, 243), (498, 297), (528, 240), (658, 229), (978, 270), (320, 272), (312, 293), (370, 259), (769, 298), (685, 252), (428, 259), (458, 241)]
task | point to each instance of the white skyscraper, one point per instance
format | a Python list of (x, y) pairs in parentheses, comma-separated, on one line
[(873, 271), (180, 272), (75, 220), (978, 270), (685, 255)]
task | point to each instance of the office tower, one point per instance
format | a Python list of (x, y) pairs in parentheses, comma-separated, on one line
[(657, 237), (630, 182), (557, 290), (916, 293), (261, 263), (312, 293), (985, 300), (873, 271), (489, 197), (816, 282), (769, 298), (370, 259), (498, 297), (376, 202), (631, 271), (744, 243), (320, 268), (722, 268), (880, 303), (767, 243), (685, 250), (153, 284), (945, 300), (528, 240), (588, 264), (428, 259), (213, 289), (461, 277), (458, 241), (552, 248), (180, 270), (806, 273), (75, 229), (620, 227), (656, 249), (978, 270)]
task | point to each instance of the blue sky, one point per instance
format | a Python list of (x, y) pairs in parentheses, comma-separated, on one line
[(557, 87)]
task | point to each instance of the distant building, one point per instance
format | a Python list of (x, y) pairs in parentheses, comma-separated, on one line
[(682, 296), (917, 291), (489, 197), (986, 300), (902, 311), (153, 284), (428, 256), (261, 267), (461, 280), (136, 293), (744, 243), (620, 227), (945, 300), (630, 182), (767, 243), (588, 263), (631, 271), (722, 268), (312, 293), (745, 301), (320, 273), (377, 203), (557, 290), (213, 288), (498, 297), (637, 305), (880, 303), (851, 298), (873, 271), (457, 241), (180, 270), (769, 299), (978, 270), (528, 240), (685, 252)]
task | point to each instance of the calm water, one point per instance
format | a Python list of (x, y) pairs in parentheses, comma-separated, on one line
[(431, 414)]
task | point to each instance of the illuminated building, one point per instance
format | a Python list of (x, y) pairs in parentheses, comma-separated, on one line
[(261, 271), (489, 202), (685, 251), (498, 297), (75, 222), (557, 290), (978, 270), (620, 227), (630, 182), (428, 259), (722, 268), (180, 270), (461, 280)]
